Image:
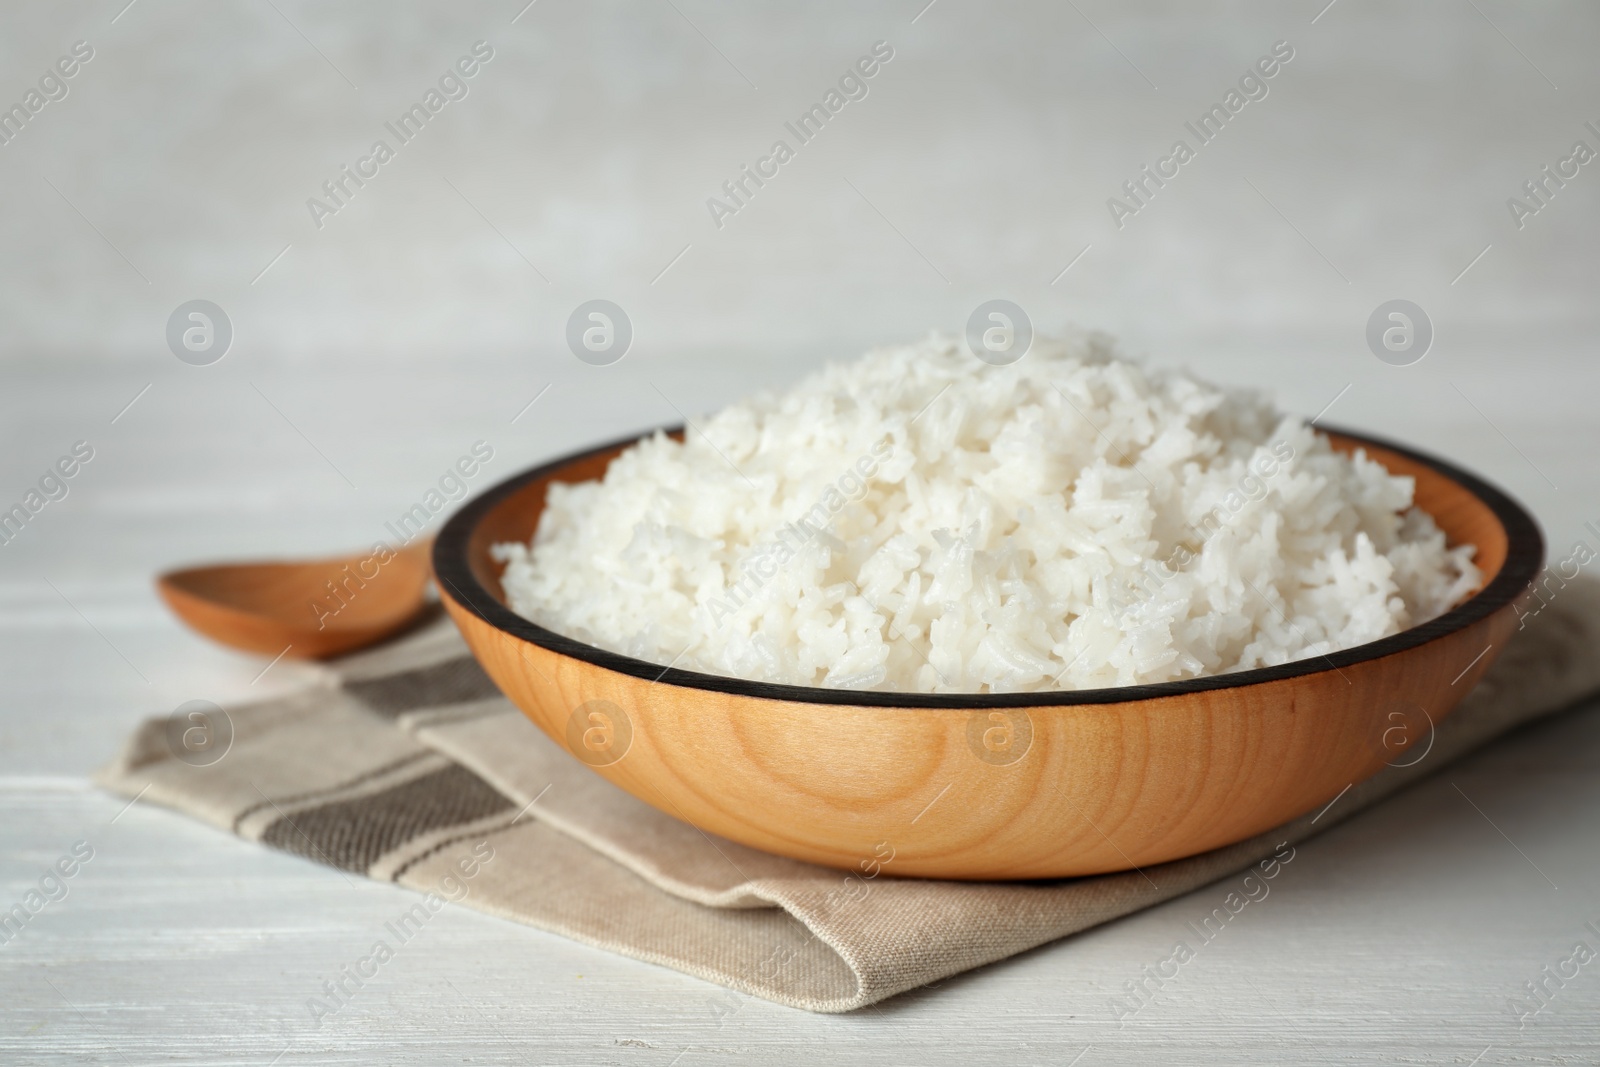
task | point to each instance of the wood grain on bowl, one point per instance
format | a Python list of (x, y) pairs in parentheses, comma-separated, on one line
[(1013, 786)]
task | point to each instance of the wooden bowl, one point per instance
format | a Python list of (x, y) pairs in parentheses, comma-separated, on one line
[(1009, 786)]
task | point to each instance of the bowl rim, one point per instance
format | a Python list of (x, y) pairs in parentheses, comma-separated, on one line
[(1524, 557)]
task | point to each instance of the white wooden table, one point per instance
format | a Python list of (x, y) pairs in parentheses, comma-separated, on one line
[(378, 349)]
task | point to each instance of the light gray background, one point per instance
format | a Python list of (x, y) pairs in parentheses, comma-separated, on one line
[(428, 313)]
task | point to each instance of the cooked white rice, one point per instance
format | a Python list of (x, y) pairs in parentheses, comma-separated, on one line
[(921, 521)]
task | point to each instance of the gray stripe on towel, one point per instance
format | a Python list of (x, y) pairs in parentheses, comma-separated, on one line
[(355, 834), (454, 681)]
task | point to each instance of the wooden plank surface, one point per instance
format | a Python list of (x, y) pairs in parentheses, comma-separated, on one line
[(371, 352), (1396, 937)]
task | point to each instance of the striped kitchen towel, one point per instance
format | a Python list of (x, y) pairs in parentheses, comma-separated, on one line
[(406, 764)]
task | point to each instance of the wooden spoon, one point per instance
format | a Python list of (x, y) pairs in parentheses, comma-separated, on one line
[(304, 610)]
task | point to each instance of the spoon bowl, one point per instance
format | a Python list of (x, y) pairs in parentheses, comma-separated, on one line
[(309, 609)]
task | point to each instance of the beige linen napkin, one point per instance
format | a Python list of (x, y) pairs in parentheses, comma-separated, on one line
[(407, 765)]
